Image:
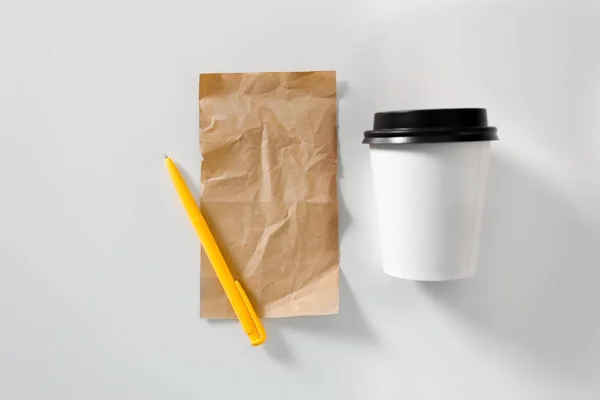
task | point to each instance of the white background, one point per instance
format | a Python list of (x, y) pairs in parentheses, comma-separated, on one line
[(99, 277)]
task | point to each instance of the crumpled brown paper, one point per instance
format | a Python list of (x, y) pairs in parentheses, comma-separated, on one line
[(269, 145)]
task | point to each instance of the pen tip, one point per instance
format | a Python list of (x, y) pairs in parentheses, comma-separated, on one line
[(166, 156)]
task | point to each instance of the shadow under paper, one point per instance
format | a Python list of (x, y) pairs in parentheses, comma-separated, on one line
[(349, 324)]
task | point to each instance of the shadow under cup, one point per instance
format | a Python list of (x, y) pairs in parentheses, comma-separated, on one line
[(429, 174)]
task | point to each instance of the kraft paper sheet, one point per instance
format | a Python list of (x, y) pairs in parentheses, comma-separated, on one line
[(269, 173)]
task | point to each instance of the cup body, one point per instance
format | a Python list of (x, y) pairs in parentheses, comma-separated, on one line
[(429, 200)]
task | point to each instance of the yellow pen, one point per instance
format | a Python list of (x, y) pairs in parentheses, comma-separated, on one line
[(233, 289)]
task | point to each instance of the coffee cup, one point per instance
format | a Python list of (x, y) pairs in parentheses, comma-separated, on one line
[(429, 172)]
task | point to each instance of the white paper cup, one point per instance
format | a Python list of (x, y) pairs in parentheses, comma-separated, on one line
[(429, 192)]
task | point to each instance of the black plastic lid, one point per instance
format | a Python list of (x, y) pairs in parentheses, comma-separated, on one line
[(431, 126)]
